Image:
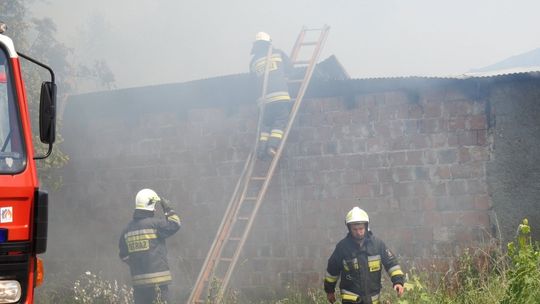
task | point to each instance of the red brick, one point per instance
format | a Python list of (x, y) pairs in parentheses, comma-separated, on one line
[(415, 110), (439, 140), (467, 138), (432, 110), (481, 137), (457, 187), (431, 219), (397, 158), (443, 172), (464, 154), (362, 190), (482, 202), (475, 218), (388, 113), (375, 144), (462, 171), (480, 153), (477, 122), (452, 218), (369, 176), (419, 141), (423, 234), (457, 108), (428, 203), (439, 189), (396, 128), (456, 123), (447, 156), (404, 234), (476, 187), (382, 129), (415, 158), (402, 174)]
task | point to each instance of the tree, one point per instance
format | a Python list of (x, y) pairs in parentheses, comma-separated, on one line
[(36, 38)]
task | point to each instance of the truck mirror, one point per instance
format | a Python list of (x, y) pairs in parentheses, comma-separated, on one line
[(47, 112)]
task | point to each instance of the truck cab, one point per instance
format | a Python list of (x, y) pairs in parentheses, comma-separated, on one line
[(23, 205)]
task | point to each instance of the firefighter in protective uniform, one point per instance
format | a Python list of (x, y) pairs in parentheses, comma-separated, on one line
[(358, 261), (276, 101), (142, 247)]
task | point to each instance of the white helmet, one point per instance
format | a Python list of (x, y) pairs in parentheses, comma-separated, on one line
[(356, 215), (146, 200), (262, 36)]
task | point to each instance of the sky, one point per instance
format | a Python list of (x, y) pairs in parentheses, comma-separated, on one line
[(150, 42)]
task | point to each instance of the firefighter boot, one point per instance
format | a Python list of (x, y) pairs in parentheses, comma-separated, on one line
[(273, 142), (262, 146)]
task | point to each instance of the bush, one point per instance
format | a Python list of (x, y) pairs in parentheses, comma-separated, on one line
[(524, 277), (88, 288)]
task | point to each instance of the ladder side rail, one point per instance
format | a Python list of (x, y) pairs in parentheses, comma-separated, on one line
[(302, 90), (272, 167), (210, 257), (216, 249), (297, 45), (307, 76)]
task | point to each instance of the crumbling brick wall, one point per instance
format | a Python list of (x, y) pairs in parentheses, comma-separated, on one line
[(416, 162)]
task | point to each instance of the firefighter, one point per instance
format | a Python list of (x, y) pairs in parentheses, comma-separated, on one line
[(276, 101), (142, 247), (358, 261)]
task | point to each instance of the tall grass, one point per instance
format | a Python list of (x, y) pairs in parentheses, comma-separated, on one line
[(483, 275)]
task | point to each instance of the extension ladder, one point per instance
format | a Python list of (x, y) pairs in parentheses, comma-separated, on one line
[(250, 190)]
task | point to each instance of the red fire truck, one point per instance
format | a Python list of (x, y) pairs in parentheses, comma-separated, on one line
[(23, 205)]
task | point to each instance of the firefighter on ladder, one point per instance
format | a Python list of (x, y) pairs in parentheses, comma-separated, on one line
[(357, 262), (142, 247), (276, 101)]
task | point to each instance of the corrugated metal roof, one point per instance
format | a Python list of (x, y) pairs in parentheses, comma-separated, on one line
[(503, 72)]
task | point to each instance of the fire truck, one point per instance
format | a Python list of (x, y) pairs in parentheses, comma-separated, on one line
[(23, 205)]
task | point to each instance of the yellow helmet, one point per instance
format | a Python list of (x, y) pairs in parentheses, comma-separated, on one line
[(262, 36), (146, 200), (356, 215)]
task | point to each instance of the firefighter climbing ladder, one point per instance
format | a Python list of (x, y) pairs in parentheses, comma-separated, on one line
[(250, 191)]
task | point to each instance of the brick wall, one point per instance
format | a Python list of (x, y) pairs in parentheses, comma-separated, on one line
[(415, 162)]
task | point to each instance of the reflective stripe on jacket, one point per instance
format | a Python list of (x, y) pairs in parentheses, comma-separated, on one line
[(279, 65), (359, 269), (142, 246)]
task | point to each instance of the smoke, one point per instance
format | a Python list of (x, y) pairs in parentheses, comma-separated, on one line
[(154, 42)]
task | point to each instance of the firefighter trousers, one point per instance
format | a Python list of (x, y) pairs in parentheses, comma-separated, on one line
[(274, 121), (158, 294)]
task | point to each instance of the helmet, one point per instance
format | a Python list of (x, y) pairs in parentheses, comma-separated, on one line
[(262, 36), (356, 215), (146, 200)]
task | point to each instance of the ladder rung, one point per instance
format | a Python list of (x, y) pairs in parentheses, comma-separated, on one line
[(309, 43), (296, 81), (250, 198), (258, 178), (301, 62), (234, 238), (226, 259), (243, 218)]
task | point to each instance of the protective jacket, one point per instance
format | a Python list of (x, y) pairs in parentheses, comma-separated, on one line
[(359, 269), (142, 247), (278, 67)]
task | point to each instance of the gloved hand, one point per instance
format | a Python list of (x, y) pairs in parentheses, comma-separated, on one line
[(165, 205)]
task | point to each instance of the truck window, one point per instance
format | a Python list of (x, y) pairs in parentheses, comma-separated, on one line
[(12, 154)]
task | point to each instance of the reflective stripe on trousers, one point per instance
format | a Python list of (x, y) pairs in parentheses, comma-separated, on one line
[(152, 278)]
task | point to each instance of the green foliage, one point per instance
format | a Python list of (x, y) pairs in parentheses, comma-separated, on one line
[(524, 277), (37, 38), (88, 288)]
